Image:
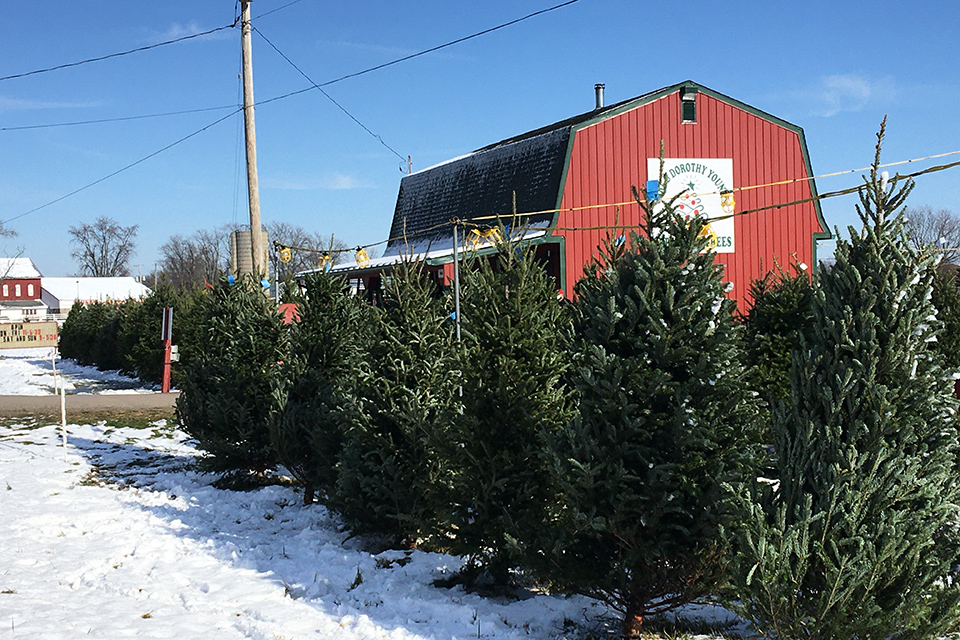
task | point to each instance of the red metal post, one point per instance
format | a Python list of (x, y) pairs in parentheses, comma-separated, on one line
[(166, 336), (165, 388)]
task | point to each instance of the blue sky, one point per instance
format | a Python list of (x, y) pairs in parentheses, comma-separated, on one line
[(833, 68)]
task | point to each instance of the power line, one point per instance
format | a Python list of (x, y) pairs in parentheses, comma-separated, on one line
[(327, 95), (313, 85), (449, 44), (121, 170), (118, 119), (117, 55), (473, 221), (289, 4), (287, 95)]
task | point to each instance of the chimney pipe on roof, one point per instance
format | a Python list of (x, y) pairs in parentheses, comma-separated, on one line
[(599, 89)]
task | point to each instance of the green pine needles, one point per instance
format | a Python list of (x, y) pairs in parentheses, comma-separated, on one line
[(326, 356), (512, 362), (665, 416), (858, 538), (226, 400), (403, 398)]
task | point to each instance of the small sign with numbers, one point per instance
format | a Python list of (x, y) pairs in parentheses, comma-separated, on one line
[(19, 335)]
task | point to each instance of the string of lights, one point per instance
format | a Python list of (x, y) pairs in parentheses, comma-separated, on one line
[(749, 188), (478, 222)]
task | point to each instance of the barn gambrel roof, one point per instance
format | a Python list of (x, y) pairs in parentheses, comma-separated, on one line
[(479, 185), (532, 165)]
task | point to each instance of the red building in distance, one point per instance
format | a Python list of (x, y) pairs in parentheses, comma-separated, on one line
[(20, 290)]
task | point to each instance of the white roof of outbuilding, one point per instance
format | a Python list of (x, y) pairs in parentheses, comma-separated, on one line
[(91, 289), (18, 268)]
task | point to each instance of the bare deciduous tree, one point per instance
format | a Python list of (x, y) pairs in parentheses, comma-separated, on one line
[(938, 230), (195, 260), (104, 248), (309, 248)]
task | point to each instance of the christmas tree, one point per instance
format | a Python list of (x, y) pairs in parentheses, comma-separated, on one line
[(946, 299), (665, 417), (858, 536), (326, 356), (780, 315), (513, 358), (403, 395), (226, 396)]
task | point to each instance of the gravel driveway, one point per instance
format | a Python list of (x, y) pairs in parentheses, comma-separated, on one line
[(11, 406)]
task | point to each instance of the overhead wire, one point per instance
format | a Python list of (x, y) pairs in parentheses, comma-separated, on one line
[(208, 32), (274, 99), (121, 170), (327, 95), (473, 222), (312, 87), (450, 44), (289, 4), (119, 54), (118, 119)]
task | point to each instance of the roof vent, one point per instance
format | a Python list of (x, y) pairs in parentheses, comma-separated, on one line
[(688, 105), (599, 90)]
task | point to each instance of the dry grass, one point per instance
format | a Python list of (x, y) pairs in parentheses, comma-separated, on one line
[(141, 419)]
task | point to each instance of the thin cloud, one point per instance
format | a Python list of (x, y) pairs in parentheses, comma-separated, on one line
[(393, 52), (332, 182), (18, 104), (844, 93), (178, 30), (362, 46)]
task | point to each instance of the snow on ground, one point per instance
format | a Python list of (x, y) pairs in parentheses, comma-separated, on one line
[(29, 372), (119, 536)]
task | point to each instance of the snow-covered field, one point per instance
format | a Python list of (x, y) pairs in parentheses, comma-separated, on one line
[(29, 372), (118, 535)]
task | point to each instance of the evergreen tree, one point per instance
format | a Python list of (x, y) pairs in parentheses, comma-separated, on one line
[(403, 397), (665, 416), (858, 537), (86, 335), (140, 331), (946, 299), (513, 359), (226, 399), (780, 315), (325, 358)]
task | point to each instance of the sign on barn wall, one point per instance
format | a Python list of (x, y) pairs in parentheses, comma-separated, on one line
[(701, 180), (18, 335)]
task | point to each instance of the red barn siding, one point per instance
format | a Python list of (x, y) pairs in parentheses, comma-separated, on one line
[(11, 285), (610, 156)]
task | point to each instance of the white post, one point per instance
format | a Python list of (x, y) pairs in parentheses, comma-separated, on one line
[(456, 289), (63, 416), (456, 283)]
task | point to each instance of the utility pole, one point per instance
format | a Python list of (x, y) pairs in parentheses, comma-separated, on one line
[(253, 186)]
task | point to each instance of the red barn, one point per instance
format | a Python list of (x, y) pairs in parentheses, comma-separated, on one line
[(20, 290), (567, 184)]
